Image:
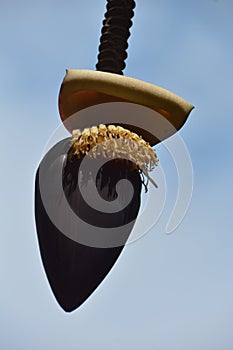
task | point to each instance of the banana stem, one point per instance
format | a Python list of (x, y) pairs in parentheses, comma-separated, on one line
[(114, 36)]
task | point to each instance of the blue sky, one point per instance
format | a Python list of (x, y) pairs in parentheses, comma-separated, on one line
[(166, 291)]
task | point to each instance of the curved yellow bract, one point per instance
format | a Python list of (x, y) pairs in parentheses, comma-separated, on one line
[(84, 88)]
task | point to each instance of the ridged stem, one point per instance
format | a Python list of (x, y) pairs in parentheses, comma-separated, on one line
[(114, 36)]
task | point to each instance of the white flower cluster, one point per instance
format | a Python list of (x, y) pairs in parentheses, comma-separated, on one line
[(112, 141)]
